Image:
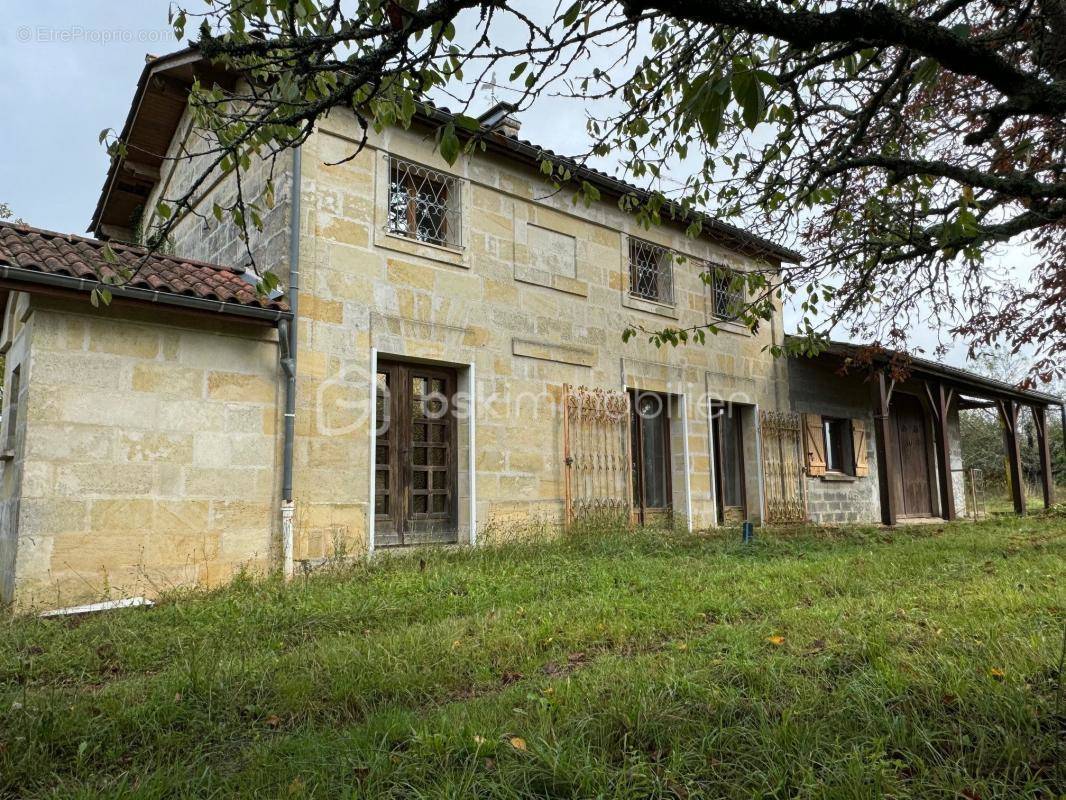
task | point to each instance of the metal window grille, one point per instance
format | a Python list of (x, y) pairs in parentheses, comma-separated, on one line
[(424, 204), (651, 271), (727, 292)]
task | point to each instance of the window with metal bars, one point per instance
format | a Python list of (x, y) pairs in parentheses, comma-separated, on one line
[(727, 291), (424, 204), (651, 271)]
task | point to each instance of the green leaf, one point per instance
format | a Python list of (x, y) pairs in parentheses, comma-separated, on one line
[(468, 123), (749, 94), (449, 144), (163, 210), (570, 17), (519, 70)]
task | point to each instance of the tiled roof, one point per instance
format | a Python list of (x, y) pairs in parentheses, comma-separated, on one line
[(59, 254)]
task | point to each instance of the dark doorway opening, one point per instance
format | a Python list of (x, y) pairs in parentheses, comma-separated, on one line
[(650, 427), (727, 439)]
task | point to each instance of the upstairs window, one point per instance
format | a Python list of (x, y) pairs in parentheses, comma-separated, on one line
[(651, 272), (727, 292), (424, 204)]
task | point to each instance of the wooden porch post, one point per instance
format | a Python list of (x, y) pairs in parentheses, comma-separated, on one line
[(941, 399), (1008, 413), (1046, 478), (882, 395)]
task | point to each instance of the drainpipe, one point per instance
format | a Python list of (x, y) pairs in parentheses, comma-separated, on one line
[(287, 333)]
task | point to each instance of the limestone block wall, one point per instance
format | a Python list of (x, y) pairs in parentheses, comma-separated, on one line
[(150, 455), (537, 297), (816, 389), (198, 234), (15, 342)]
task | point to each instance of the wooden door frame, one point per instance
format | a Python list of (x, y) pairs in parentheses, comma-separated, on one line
[(636, 432), (931, 477), (401, 466)]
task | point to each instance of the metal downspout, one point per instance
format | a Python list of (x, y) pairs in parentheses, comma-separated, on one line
[(288, 363)]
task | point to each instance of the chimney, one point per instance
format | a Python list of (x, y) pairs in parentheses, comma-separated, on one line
[(501, 117)]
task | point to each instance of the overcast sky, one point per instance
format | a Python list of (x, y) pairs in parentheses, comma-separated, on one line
[(70, 69)]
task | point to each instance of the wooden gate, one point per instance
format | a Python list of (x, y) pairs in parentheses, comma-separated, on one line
[(596, 452), (782, 465)]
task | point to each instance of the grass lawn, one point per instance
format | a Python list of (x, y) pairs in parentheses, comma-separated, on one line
[(919, 662)]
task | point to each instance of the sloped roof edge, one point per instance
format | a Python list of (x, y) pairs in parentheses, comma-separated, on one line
[(963, 377), (511, 146)]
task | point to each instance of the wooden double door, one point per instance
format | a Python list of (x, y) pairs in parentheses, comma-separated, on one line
[(911, 451), (415, 474)]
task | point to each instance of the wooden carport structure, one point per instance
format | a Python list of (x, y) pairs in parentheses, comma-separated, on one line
[(944, 390)]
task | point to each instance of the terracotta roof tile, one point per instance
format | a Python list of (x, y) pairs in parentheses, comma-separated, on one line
[(79, 257)]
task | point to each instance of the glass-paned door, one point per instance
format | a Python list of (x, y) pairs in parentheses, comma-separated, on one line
[(650, 427), (728, 440), (415, 488)]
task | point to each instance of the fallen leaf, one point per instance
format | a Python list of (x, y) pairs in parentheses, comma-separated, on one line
[(997, 673), (682, 646), (518, 743), (273, 720), (776, 641), (479, 740)]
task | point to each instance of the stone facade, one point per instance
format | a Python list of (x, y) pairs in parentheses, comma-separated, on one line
[(148, 448), (146, 454), (536, 297)]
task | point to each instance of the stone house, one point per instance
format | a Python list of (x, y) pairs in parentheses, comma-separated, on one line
[(445, 364)]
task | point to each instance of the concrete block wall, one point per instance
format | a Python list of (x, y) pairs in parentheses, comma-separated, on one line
[(817, 389), (150, 453)]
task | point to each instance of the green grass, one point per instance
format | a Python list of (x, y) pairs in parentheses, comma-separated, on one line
[(919, 662)]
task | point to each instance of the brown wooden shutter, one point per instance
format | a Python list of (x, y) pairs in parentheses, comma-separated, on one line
[(814, 444), (858, 445)]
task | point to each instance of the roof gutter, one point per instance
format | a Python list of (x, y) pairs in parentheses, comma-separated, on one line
[(32, 277)]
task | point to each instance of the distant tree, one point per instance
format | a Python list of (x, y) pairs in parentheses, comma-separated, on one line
[(7, 214), (981, 431), (897, 144)]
